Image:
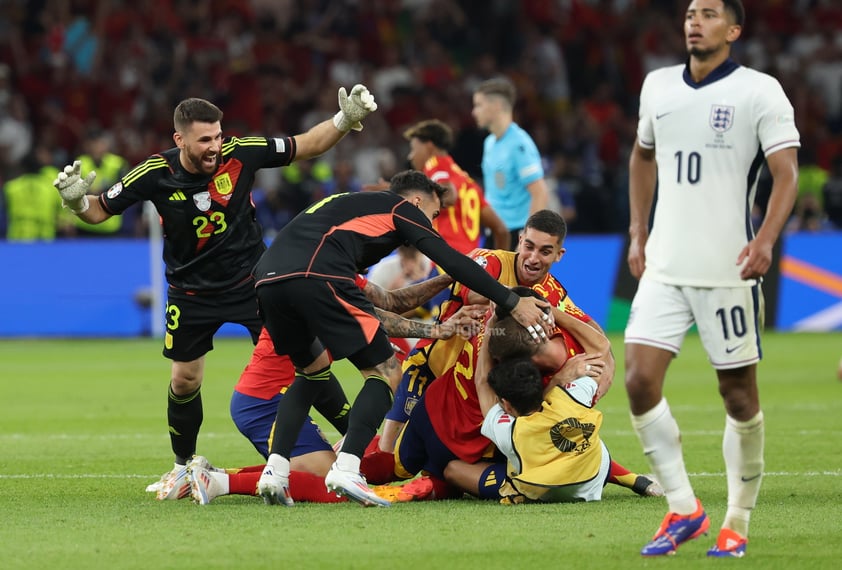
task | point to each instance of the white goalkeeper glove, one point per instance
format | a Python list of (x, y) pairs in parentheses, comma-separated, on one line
[(353, 108), (73, 188)]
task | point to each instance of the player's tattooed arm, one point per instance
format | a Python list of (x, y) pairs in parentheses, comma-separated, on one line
[(406, 298), (400, 327)]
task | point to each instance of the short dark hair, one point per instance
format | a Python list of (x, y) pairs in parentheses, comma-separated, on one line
[(412, 180), (501, 87), (433, 131), (549, 222), (520, 383), (508, 338), (195, 110), (735, 7)]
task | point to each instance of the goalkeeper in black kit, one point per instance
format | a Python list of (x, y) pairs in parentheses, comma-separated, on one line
[(314, 312), (201, 189)]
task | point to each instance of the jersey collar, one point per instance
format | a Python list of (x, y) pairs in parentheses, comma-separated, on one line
[(725, 69)]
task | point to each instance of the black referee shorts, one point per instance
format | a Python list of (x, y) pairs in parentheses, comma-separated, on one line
[(299, 311)]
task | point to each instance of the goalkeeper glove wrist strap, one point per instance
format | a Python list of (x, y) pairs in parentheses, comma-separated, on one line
[(340, 121), (79, 207)]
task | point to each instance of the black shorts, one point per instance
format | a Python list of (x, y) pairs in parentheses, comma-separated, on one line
[(193, 319), (299, 311)]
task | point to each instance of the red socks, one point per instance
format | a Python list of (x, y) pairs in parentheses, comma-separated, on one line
[(378, 467), (303, 486)]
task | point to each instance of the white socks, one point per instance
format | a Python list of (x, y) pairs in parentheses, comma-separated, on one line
[(278, 463), (347, 462), (661, 440), (742, 448), (222, 479)]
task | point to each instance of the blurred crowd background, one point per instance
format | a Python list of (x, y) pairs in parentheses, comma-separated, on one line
[(86, 78)]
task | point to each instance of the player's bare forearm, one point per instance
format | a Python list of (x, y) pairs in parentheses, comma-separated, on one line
[(318, 140), (540, 196), (409, 297), (400, 327), (488, 218), (95, 214), (591, 338), (783, 165), (756, 257), (486, 396), (594, 341), (643, 175)]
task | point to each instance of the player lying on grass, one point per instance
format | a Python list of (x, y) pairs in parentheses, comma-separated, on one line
[(549, 431), (541, 244), (462, 459), (268, 375)]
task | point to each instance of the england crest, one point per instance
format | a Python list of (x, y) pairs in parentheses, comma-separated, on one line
[(202, 201), (721, 117)]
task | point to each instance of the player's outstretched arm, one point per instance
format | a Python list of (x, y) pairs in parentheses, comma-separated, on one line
[(353, 109), (74, 189), (406, 298)]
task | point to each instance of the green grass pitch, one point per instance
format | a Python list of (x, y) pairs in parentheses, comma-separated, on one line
[(83, 431)]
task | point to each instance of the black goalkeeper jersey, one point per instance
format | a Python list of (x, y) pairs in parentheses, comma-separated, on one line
[(344, 234), (211, 236)]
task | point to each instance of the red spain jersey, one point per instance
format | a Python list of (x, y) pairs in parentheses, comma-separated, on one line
[(267, 373), (453, 405), (459, 224), (440, 355)]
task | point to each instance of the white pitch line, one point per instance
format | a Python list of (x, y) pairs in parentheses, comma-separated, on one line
[(108, 436), (331, 435), (136, 476)]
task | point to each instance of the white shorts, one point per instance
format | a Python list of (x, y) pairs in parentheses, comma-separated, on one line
[(587, 491), (728, 318)]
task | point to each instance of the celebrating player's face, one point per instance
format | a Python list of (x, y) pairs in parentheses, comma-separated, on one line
[(201, 147), (536, 253), (708, 28), (419, 153), (430, 205)]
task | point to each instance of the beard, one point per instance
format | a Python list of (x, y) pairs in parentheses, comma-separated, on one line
[(699, 53), (200, 166)]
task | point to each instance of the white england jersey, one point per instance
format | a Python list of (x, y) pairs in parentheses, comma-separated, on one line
[(709, 139)]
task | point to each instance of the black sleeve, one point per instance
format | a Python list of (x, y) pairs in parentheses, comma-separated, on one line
[(466, 271), (418, 231)]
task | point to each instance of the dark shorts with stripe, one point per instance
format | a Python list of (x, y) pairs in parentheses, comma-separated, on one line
[(299, 311), (414, 381), (419, 448), (255, 419), (193, 319)]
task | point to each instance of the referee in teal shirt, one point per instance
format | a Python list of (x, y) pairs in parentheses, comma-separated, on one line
[(511, 164)]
